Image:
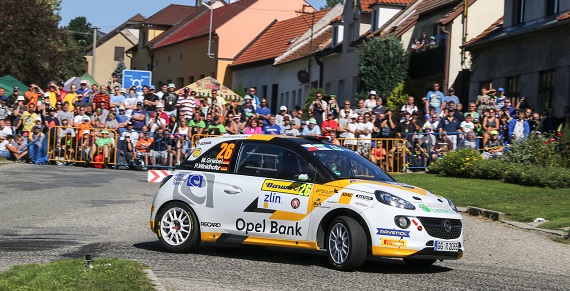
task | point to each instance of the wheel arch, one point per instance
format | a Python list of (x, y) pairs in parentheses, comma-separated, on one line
[(326, 220)]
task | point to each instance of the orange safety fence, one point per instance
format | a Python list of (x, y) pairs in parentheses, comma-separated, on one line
[(96, 146), (387, 153)]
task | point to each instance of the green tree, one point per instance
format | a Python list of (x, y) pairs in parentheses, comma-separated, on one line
[(31, 42), (331, 3), (72, 53), (382, 65), (399, 96), (119, 70), (240, 89), (82, 31)]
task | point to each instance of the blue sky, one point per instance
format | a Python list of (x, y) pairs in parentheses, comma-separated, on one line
[(108, 14)]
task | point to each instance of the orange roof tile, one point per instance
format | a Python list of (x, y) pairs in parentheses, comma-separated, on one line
[(170, 15), (200, 25), (275, 41), (319, 43), (365, 4), (496, 25)]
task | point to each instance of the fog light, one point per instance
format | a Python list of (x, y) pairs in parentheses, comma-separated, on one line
[(402, 222)]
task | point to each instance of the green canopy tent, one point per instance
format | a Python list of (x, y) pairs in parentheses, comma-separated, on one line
[(8, 83), (88, 77)]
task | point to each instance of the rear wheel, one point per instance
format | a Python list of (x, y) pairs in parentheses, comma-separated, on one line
[(177, 227), (347, 244)]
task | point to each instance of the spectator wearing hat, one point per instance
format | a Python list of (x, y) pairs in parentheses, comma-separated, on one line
[(246, 108), (138, 116), (370, 103), (434, 98), (5, 111), (313, 129), (279, 118), (186, 104), (17, 110), (82, 90), (35, 143), (103, 144), (254, 99), (451, 97), (122, 119), (494, 146), (13, 99), (169, 100), (158, 119), (330, 125), (288, 128), (85, 145), (501, 98)]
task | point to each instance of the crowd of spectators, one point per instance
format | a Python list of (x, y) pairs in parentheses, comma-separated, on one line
[(154, 128)]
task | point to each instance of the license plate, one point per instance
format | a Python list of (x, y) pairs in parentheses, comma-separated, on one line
[(445, 246)]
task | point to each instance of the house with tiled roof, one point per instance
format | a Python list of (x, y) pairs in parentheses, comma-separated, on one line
[(526, 53), (183, 53), (271, 62), (444, 25), (111, 48), (339, 61), (152, 28)]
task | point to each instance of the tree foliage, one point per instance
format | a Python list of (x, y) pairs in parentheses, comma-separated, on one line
[(331, 3), (240, 89), (382, 66), (119, 69), (34, 49), (82, 31)]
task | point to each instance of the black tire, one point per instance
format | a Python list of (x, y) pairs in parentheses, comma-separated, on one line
[(346, 244), (177, 227), (419, 263)]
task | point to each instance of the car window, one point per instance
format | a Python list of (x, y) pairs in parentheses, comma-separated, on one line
[(216, 159), (273, 161)]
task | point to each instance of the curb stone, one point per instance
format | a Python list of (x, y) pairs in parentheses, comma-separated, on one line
[(500, 216), (153, 280)]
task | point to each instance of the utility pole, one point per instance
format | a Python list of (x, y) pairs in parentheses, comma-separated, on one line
[(94, 52), (211, 7)]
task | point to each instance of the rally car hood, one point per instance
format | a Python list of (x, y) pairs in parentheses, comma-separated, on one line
[(422, 199)]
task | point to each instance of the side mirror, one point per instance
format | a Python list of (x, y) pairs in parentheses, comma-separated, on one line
[(303, 177)]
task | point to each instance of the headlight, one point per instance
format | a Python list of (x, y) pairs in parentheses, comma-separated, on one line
[(393, 200), (451, 205)]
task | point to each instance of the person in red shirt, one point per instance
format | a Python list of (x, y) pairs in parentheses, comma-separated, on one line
[(330, 125), (102, 97)]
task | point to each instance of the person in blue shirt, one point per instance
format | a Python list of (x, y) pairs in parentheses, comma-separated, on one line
[(434, 98), (255, 100), (450, 97), (263, 110), (272, 127), (519, 127)]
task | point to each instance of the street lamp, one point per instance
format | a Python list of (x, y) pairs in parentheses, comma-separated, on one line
[(211, 7)]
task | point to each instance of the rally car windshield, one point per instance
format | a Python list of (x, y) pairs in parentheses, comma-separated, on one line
[(346, 164)]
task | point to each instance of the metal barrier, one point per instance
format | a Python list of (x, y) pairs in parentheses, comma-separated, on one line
[(71, 145), (425, 148), (390, 154)]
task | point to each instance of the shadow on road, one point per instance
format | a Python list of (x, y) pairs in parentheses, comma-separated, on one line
[(291, 256)]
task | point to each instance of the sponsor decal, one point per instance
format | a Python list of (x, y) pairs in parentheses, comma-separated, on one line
[(393, 232), (302, 189), (195, 188), (295, 203), (360, 204), (436, 208), (393, 243), (273, 227), (326, 192), (205, 142), (178, 179), (346, 194), (212, 164), (364, 197), (210, 224), (272, 198), (196, 152), (345, 197)]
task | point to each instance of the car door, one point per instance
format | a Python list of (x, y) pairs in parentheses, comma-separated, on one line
[(271, 199)]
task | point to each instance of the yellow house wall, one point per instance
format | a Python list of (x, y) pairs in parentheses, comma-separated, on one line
[(104, 58)]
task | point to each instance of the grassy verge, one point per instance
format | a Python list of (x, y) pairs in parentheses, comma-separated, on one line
[(519, 203), (106, 274)]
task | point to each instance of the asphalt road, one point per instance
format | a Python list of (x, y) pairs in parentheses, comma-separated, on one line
[(51, 213)]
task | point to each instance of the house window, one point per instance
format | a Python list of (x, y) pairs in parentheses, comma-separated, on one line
[(299, 97), (264, 91), (546, 90), (355, 85), (328, 88), (335, 35), (181, 56), (375, 17), (168, 60), (180, 82), (202, 76), (191, 79), (518, 11), (119, 53), (514, 89), (144, 38), (552, 7)]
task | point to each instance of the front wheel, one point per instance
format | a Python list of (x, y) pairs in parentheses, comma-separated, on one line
[(347, 244), (177, 227)]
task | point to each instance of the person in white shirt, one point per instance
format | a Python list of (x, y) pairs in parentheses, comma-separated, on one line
[(467, 125), (370, 103), (364, 133)]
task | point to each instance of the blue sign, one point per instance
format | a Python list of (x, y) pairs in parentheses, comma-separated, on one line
[(136, 78)]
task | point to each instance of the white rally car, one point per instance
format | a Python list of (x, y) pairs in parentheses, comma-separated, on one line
[(301, 193)]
